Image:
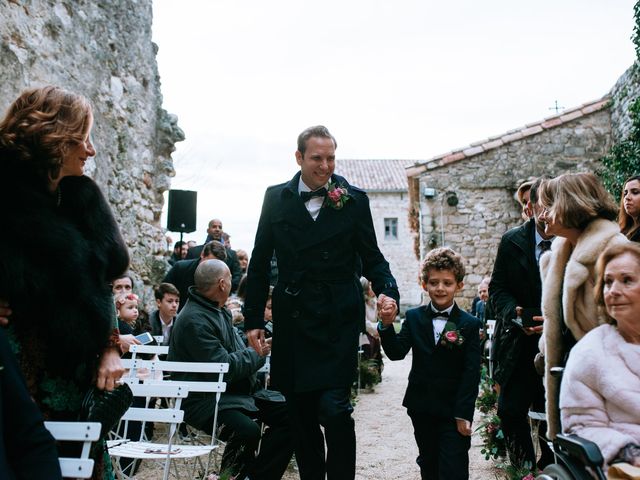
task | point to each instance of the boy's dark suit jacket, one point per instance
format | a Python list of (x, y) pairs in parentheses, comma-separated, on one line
[(317, 323), (443, 380)]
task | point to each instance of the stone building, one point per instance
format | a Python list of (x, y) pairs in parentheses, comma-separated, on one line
[(385, 182), (464, 199), (104, 51)]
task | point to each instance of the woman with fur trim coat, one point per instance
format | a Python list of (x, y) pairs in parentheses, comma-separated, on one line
[(600, 393), (59, 251), (579, 211)]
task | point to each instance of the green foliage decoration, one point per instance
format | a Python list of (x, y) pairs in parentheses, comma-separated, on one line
[(623, 160)]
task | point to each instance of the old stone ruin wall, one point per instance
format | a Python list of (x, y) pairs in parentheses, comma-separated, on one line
[(104, 51)]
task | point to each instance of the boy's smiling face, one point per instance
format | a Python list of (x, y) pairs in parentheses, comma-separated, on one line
[(442, 287)]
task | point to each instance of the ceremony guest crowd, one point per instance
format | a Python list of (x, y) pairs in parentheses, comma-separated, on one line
[(564, 292)]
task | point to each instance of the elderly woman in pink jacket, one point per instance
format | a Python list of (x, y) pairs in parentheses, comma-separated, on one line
[(600, 392)]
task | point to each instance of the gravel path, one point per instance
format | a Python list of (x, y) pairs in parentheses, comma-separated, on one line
[(385, 444), (386, 448)]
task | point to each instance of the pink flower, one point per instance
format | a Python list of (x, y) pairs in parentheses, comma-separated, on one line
[(529, 477), (335, 194), (451, 336)]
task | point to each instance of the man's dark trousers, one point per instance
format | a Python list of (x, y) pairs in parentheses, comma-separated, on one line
[(333, 409), (242, 435)]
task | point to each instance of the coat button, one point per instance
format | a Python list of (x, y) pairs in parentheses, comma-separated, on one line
[(325, 255), (295, 314)]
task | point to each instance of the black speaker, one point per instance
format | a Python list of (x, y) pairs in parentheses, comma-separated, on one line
[(181, 216)]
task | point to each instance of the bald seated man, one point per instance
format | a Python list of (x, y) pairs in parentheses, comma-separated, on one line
[(204, 332)]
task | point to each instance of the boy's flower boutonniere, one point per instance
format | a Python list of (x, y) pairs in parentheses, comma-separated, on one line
[(450, 336), (337, 196)]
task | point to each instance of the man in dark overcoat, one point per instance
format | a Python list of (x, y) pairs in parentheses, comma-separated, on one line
[(321, 231), (515, 285)]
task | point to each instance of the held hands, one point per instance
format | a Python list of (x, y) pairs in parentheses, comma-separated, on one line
[(387, 309), (464, 427), (257, 341)]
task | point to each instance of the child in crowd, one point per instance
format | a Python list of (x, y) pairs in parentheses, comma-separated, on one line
[(445, 370), (127, 307)]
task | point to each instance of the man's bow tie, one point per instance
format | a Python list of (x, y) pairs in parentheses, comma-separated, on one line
[(444, 314), (306, 196)]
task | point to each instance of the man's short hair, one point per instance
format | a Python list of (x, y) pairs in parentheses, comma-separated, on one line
[(443, 258), (317, 131), (165, 288), (535, 186), (209, 273), (522, 189), (216, 249), (178, 244)]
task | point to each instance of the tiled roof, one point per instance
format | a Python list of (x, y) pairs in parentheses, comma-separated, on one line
[(375, 175), (508, 137)]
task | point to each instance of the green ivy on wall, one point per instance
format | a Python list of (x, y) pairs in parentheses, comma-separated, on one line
[(623, 160)]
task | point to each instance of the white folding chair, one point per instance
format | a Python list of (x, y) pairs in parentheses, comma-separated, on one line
[(86, 432), (202, 386), (134, 350), (141, 449)]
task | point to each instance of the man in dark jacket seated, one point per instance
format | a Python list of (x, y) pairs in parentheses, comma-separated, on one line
[(203, 332)]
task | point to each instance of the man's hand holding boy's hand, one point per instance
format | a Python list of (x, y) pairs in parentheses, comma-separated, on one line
[(387, 309), (464, 427)]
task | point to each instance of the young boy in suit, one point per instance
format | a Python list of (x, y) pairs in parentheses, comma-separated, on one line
[(445, 370)]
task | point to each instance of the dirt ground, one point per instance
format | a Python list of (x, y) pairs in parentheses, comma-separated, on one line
[(386, 448)]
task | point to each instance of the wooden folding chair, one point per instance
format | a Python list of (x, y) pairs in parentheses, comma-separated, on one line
[(85, 432)]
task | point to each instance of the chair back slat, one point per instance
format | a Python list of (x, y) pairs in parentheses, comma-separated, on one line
[(85, 432), (156, 349)]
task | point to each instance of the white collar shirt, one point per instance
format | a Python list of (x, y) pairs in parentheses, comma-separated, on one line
[(439, 322), (313, 205)]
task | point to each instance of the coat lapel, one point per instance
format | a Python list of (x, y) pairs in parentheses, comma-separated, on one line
[(293, 206), (426, 325), (330, 222)]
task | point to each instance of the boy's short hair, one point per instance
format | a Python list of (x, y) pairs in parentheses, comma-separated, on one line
[(443, 258), (165, 288)]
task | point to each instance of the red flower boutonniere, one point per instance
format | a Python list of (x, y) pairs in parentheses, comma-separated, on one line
[(337, 196), (450, 336)]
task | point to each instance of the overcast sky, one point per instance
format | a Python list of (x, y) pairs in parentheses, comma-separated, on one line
[(406, 79)]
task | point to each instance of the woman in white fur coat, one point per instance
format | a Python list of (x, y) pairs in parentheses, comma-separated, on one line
[(600, 393), (581, 214)]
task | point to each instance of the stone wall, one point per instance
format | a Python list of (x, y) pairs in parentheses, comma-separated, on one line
[(485, 185), (399, 253), (104, 51), (623, 93)]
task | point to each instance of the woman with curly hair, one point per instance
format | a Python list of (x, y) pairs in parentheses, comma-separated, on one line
[(629, 216), (60, 249), (581, 214)]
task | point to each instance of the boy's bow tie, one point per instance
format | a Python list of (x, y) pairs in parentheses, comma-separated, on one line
[(435, 314)]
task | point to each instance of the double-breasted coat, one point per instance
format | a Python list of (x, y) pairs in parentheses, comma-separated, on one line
[(318, 307)]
